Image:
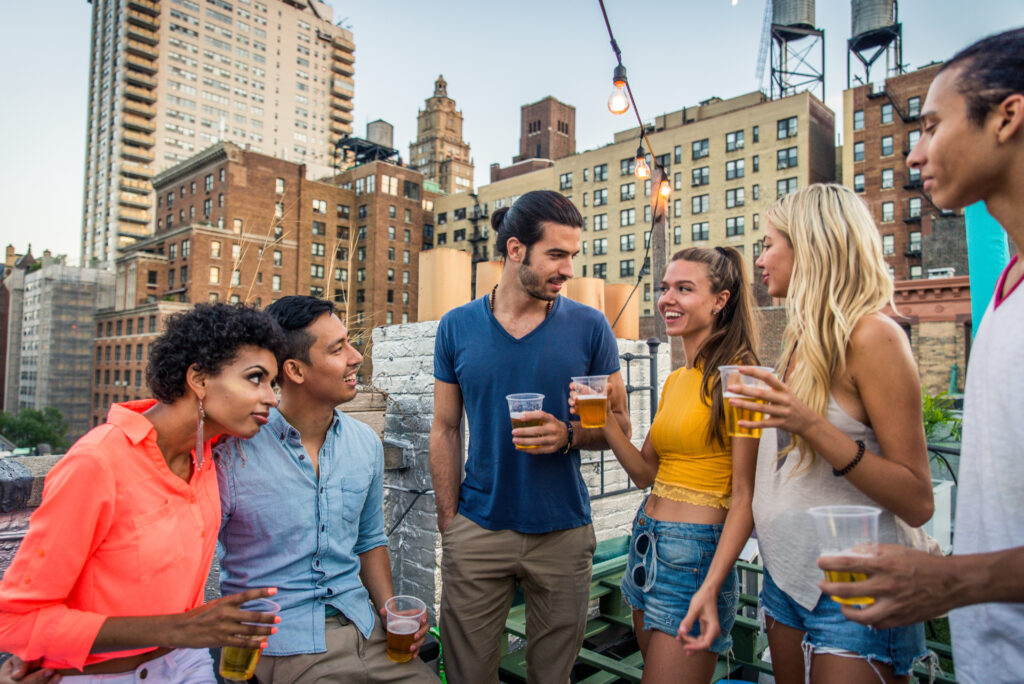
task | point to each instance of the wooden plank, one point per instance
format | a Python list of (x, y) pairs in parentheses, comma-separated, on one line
[(616, 667)]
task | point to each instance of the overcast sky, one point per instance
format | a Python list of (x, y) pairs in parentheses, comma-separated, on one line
[(495, 55)]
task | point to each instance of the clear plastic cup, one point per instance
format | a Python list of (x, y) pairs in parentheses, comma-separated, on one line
[(847, 531), (518, 404), (591, 399), (731, 376), (404, 615)]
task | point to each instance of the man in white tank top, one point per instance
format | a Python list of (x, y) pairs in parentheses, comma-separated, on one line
[(972, 148)]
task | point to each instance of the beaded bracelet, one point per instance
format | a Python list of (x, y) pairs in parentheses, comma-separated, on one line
[(856, 459), (568, 444)]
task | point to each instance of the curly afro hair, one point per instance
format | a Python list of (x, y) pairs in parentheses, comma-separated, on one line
[(208, 336)]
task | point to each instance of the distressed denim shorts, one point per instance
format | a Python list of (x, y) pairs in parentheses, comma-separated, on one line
[(825, 629), (679, 556)]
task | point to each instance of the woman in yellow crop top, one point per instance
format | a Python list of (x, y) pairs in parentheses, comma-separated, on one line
[(689, 531)]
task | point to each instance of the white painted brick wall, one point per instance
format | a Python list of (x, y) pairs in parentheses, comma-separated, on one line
[(403, 368)]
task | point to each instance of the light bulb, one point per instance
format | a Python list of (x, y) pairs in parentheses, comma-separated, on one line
[(642, 170), (618, 102), (666, 189)]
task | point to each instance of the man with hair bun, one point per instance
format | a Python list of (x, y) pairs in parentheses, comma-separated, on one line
[(522, 513), (972, 148)]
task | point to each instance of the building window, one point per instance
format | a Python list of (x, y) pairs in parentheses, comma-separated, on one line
[(627, 191), (405, 277), (600, 270), (677, 180), (627, 268), (677, 154), (279, 186), (915, 241), (888, 245), (601, 197), (627, 217), (318, 249), (275, 283), (858, 120), (699, 231), (459, 235), (677, 235), (787, 158), (887, 146), (886, 113), (755, 191), (319, 228), (755, 163), (316, 271), (214, 275), (733, 141), (565, 181), (236, 278), (184, 249), (858, 182), (914, 207), (600, 246), (734, 226), (277, 257), (887, 178), (757, 133), (858, 151), (600, 173), (734, 198), (600, 222), (786, 128), (627, 243), (914, 107), (677, 208), (700, 149), (888, 211), (700, 204), (916, 272), (208, 184), (785, 186), (734, 169), (700, 176), (391, 275), (757, 222), (627, 166), (207, 207)]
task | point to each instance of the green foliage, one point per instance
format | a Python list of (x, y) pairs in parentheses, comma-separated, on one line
[(941, 424), (31, 427)]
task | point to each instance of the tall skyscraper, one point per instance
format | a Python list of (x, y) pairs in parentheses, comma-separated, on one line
[(169, 78), (439, 152)]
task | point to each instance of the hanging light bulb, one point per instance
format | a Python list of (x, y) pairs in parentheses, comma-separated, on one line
[(642, 170), (618, 101), (665, 188)]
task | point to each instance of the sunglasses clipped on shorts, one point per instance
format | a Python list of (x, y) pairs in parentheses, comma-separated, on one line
[(646, 570)]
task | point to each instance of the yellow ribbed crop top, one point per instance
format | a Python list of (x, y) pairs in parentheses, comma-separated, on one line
[(690, 468)]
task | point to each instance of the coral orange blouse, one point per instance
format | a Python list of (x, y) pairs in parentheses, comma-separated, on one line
[(116, 534)]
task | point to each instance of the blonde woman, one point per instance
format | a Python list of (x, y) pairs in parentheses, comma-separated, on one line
[(848, 430)]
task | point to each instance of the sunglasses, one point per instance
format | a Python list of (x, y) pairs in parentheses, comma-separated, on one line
[(646, 570)]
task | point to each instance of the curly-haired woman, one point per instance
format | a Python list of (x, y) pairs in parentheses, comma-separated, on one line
[(109, 578)]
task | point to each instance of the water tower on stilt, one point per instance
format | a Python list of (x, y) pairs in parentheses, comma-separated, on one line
[(797, 49), (876, 33)]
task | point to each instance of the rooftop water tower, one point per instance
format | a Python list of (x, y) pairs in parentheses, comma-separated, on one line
[(797, 49), (876, 32)]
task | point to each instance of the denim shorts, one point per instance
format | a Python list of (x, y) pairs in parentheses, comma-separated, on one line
[(682, 553), (825, 628)]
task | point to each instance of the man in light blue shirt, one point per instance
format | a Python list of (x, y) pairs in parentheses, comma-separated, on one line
[(302, 511)]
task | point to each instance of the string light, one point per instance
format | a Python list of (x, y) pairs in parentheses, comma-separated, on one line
[(641, 169), (618, 101), (665, 189)]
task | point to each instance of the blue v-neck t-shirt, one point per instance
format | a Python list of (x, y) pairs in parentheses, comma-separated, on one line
[(506, 488)]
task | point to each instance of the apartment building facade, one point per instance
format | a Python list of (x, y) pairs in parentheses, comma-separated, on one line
[(169, 78), (881, 123), (728, 161), (439, 152)]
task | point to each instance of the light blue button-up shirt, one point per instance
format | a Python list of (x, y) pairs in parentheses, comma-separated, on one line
[(284, 527)]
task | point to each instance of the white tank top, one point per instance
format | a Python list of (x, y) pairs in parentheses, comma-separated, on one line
[(785, 532)]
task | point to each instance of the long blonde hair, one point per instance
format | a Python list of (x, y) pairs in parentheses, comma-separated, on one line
[(839, 276)]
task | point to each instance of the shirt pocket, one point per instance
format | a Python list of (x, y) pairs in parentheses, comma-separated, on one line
[(354, 490), (158, 540)]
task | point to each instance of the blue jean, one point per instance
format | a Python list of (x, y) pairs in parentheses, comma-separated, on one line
[(825, 629), (682, 553)]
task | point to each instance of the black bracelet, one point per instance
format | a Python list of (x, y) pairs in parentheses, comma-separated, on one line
[(852, 464), (568, 444)]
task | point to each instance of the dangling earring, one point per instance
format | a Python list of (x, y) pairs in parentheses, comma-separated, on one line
[(198, 455)]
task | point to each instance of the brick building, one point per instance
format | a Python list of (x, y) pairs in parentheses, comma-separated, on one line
[(547, 132), (880, 126), (239, 226)]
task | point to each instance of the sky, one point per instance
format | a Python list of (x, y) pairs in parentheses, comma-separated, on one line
[(495, 56)]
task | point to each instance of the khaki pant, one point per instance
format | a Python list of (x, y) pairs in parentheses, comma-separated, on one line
[(350, 658), (479, 569)]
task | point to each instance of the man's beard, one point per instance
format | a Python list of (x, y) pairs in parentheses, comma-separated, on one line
[(533, 285)]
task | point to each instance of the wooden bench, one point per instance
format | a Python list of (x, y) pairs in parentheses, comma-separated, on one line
[(612, 612)]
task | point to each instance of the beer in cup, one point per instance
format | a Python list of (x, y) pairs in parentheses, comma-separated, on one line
[(731, 376), (591, 399), (404, 614), (239, 664), (847, 531), (518, 404)]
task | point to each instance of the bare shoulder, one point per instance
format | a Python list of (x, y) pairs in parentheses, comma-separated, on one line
[(877, 334)]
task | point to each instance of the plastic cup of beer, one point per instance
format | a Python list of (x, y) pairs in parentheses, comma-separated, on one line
[(518, 404), (731, 376), (404, 614), (591, 399), (239, 664), (847, 531)]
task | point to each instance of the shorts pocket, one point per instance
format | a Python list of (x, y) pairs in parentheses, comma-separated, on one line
[(681, 553)]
